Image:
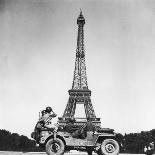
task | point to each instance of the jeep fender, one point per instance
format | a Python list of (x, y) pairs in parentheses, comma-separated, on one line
[(101, 138), (52, 137)]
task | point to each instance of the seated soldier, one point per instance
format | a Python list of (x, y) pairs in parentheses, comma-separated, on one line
[(89, 128), (75, 131), (80, 133), (46, 119), (40, 122), (70, 125), (86, 131)]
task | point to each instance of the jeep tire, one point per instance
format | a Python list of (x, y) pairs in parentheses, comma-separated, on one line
[(55, 147), (109, 147)]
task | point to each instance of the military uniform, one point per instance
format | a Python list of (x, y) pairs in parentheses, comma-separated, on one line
[(89, 130), (46, 119)]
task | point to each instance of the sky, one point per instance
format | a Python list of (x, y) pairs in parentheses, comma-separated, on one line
[(37, 56)]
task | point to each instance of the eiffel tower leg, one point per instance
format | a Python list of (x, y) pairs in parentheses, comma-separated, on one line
[(89, 109), (73, 109)]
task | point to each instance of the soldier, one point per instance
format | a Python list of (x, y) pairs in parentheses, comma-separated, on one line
[(89, 128), (46, 119), (40, 122), (43, 112), (86, 131), (70, 125)]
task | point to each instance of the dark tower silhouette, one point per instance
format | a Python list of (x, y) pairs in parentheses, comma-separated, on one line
[(80, 94)]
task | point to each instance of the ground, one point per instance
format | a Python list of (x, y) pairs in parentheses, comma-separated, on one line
[(39, 153)]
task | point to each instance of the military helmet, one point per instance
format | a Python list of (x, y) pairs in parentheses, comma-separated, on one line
[(43, 112), (48, 109)]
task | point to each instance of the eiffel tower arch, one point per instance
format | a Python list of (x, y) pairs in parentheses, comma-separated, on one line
[(80, 94)]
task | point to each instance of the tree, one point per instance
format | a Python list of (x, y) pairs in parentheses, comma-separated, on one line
[(14, 142)]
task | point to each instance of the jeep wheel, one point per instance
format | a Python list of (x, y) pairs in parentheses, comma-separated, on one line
[(109, 147), (55, 147)]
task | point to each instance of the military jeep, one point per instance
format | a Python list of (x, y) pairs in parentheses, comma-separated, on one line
[(103, 141)]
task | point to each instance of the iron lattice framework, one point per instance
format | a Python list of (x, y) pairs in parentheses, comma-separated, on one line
[(80, 94), (80, 78)]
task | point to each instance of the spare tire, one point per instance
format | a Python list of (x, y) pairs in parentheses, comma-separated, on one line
[(55, 147), (109, 147)]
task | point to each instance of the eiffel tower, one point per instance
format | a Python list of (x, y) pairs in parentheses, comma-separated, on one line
[(80, 94)]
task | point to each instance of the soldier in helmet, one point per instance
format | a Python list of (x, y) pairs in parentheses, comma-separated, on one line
[(46, 119), (43, 113), (50, 111)]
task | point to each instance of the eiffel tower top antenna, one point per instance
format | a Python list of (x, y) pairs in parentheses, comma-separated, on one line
[(80, 11)]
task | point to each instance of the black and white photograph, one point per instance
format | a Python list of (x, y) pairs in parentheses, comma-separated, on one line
[(77, 77)]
